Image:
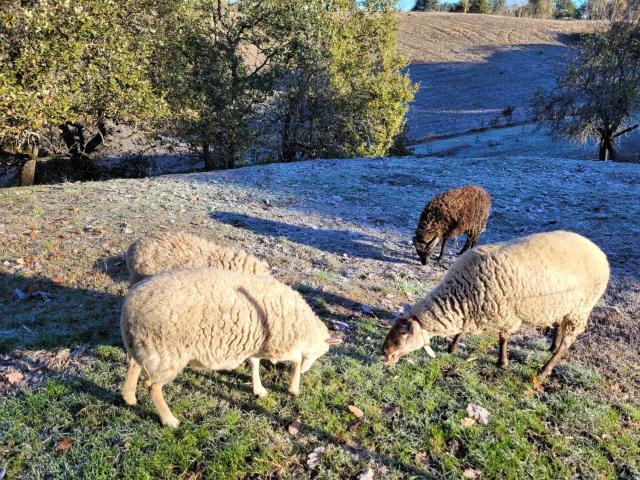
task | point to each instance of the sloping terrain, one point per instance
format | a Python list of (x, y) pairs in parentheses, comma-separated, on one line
[(471, 67), (339, 232)]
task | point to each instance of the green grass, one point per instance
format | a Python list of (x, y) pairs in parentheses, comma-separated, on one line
[(226, 433)]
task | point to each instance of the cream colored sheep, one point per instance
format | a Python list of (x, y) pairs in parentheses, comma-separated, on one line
[(215, 319), (542, 279), (159, 252)]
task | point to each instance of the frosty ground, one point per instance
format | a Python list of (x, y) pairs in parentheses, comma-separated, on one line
[(338, 231)]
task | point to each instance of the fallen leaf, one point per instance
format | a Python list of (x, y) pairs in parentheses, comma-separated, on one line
[(56, 279), (294, 427), (34, 234), (355, 423), (422, 458), (356, 411), (478, 413), (470, 474), (13, 377), (537, 384), (56, 255), (368, 474), (314, 458), (468, 422), (20, 261), (64, 445)]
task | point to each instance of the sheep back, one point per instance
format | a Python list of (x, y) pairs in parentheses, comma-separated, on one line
[(537, 280), (464, 209), (160, 252)]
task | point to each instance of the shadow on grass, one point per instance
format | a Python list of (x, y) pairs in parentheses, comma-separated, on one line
[(335, 241), (37, 312)]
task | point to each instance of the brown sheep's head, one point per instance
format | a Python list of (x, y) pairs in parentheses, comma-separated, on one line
[(405, 336), (424, 248)]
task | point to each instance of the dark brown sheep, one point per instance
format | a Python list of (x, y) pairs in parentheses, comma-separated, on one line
[(461, 210)]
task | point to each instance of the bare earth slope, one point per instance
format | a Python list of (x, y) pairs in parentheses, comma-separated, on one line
[(471, 67)]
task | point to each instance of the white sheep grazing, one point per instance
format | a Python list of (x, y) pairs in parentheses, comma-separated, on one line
[(216, 319), (539, 280), (160, 252)]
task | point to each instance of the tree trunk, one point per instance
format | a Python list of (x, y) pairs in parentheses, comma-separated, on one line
[(607, 149), (206, 155), (28, 169)]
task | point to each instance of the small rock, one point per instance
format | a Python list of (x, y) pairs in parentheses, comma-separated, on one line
[(470, 474), (314, 458)]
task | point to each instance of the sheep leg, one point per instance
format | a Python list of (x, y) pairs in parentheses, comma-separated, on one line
[(442, 245), (467, 245), (294, 385), (557, 338), (557, 356), (455, 343), (258, 389), (130, 383), (166, 416), (503, 361)]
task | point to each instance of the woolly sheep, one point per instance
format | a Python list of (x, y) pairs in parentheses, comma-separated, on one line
[(159, 252), (538, 280), (216, 319), (461, 210)]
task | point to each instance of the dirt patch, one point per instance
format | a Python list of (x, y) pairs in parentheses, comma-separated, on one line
[(26, 369)]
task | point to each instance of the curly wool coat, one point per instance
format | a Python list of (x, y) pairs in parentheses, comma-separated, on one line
[(216, 319), (159, 252), (538, 280), (452, 213)]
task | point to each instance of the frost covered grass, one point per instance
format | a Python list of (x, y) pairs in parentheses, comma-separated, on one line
[(339, 232)]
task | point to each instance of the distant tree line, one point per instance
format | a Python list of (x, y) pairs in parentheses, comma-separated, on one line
[(559, 9), (241, 81)]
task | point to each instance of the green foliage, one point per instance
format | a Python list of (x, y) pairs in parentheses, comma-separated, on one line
[(370, 94), (541, 8), (565, 9), (479, 6), (599, 94), (79, 62), (426, 6)]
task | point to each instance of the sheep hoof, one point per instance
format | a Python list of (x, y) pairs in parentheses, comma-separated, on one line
[(261, 393), (130, 400), (502, 364), (172, 422), (294, 391)]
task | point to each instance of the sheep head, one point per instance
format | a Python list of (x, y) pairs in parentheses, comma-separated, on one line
[(424, 248), (405, 336)]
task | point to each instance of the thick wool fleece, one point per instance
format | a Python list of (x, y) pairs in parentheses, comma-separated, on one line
[(538, 280), (161, 252), (460, 210), (217, 319)]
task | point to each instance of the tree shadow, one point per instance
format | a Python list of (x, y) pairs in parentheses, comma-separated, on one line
[(335, 241), (38, 312)]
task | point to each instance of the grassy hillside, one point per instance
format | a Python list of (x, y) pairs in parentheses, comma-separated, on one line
[(339, 232), (471, 67)]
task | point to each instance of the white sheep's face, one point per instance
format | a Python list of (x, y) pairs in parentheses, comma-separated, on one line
[(404, 337)]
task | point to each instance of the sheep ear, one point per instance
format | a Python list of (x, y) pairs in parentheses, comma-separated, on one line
[(414, 327), (333, 341), (429, 350)]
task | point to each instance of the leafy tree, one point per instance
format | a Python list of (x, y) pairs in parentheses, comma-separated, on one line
[(72, 66), (498, 6), (541, 8), (599, 94), (426, 6), (479, 6), (565, 9)]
